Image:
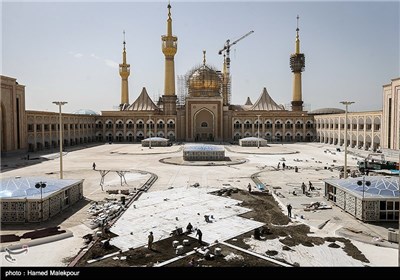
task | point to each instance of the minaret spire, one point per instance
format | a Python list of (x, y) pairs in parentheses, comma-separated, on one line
[(124, 72), (124, 52), (204, 57), (169, 21), (169, 48), (297, 64), (297, 36)]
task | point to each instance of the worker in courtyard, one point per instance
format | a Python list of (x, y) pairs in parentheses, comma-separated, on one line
[(310, 186), (94, 166), (283, 166), (303, 187), (150, 241), (189, 228), (200, 235), (279, 164), (249, 187), (289, 210)]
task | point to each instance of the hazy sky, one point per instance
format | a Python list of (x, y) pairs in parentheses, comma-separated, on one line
[(70, 51)]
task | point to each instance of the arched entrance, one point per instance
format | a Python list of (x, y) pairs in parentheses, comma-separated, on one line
[(204, 125)]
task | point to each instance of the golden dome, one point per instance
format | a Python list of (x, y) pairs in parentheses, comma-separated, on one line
[(205, 79)]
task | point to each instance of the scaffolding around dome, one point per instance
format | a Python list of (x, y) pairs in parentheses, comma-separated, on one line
[(204, 80)]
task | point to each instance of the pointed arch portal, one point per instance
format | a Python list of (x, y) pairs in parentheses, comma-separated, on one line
[(204, 125)]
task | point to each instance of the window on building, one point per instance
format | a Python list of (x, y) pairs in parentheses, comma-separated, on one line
[(171, 125), (237, 125), (120, 125), (160, 125)]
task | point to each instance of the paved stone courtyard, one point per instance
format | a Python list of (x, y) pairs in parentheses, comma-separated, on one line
[(314, 161)]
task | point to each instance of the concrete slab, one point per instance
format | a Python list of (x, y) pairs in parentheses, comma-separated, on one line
[(162, 212)]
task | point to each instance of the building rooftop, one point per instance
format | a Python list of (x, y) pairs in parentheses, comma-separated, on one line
[(85, 112), (160, 139), (252, 139), (380, 187), (202, 147), (326, 111), (24, 187)]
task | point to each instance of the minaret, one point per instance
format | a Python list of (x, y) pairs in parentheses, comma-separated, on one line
[(124, 71), (297, 63), (169, 48)]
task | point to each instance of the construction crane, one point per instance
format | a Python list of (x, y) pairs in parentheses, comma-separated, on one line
[(227, 47)]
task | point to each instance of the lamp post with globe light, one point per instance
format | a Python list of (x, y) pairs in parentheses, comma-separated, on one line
[(363, 183), (41, 186)]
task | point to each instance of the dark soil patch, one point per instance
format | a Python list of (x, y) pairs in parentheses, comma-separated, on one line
[(43, 233), (142, 256), (9, 238), (99, 251), (349, 248), (265, 208), (229, 257), (271, 253), (286, 248), (31, 234), (333, 245), (239, 241)]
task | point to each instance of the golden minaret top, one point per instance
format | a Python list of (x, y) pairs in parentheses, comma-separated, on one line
[(169, 48)]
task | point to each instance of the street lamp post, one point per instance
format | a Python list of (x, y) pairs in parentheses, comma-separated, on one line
[(346, 103), (258, 131), (149, 132), (41, 186), (363, 183), (60, 103)]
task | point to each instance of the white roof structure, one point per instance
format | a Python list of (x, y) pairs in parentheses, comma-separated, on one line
[(266, 103), (251, 139), (380, 186), (24, 187), (143, 103), (203, 147), (159, 139), (248, 102), (85, 112)]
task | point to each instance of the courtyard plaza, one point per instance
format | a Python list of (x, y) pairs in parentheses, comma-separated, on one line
[(314, 161)]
